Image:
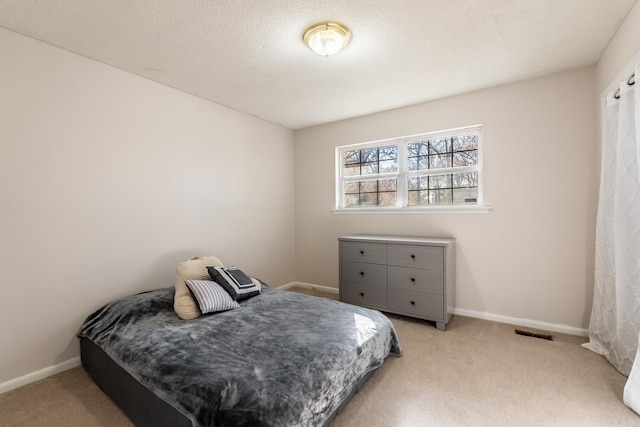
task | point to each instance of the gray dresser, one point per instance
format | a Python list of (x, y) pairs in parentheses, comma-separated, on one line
[(412, 276)]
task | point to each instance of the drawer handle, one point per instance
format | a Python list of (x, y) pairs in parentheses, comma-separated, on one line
[(362, 273), (413, 279), (413, 256), (413, 303), (361, 252), (361, 294)]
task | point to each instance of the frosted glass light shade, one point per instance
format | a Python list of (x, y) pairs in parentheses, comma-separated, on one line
[(327, 38)]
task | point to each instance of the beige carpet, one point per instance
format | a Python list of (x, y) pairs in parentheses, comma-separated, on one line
[(477, 373)]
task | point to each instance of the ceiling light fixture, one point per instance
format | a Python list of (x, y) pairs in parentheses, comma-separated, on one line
[(327, 38)]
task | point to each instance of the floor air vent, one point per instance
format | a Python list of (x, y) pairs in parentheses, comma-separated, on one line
[(534, 335)]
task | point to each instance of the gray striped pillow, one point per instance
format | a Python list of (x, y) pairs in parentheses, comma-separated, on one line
[(210, 296)]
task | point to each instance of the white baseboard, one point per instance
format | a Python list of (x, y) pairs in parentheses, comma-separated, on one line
[(310, 286), (39, 375), (528, 323)]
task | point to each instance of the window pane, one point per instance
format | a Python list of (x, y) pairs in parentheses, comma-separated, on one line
[(423, 163), (440, 146), (412, 200), (370, 155), (351, 170), (351, 188), (368, 186), (389, 166), (418, 183), (465, 142), (467, 179), (369, 168), (351, 157), (390, 152), (418, 198), (370, 161), (465, 158), (369, 199), (465, 195), (440, 161), (371, 192), (440, 181), (417, 163), (352, 200), (387, 185), (415, 149), (439, 197), (388, 198)]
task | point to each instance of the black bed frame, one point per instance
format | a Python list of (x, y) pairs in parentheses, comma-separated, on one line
[(143, 407)]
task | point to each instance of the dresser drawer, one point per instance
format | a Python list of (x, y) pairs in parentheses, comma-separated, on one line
[(364, 252), (363, 294), (362, 272), (418, 304), (428, 257), (415, 279)]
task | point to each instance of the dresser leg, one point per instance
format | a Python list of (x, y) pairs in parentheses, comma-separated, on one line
[(440, 326)]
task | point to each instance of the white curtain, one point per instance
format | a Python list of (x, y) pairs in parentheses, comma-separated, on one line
[(615, 317)]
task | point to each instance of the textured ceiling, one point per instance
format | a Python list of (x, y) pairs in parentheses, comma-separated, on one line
[(248, 54)]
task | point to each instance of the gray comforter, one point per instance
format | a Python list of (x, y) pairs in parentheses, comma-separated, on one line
[(281, 359)]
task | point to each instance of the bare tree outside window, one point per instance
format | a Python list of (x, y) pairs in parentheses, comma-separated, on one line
[(441, 168)]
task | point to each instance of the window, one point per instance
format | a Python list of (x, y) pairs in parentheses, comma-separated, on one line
[(433, 170)]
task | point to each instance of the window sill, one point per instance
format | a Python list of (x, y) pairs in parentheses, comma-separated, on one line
[(431, 210)]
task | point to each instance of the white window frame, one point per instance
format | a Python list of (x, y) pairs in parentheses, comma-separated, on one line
[(403, 174)]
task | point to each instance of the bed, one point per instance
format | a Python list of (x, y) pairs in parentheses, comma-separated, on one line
[(280, 359)]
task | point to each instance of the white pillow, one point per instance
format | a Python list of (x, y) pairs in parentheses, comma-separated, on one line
[(193, 269), (211, 296)]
